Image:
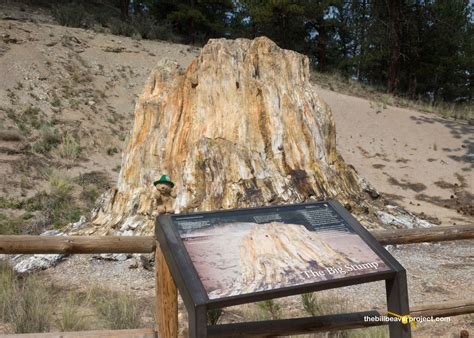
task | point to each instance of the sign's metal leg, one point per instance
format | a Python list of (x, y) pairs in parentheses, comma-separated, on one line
[(397, 303), (198, 322)]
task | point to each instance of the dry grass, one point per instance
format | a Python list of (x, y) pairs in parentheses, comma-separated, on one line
[(380, 99), (10, 225), (119, 310), (24, 303), (30, 305), (72, 317), (69, 149)]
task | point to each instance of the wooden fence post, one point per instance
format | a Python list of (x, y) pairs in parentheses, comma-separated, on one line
[(166, 316)]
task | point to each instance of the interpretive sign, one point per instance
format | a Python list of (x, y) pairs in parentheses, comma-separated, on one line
[(238, 256), (236, 253)]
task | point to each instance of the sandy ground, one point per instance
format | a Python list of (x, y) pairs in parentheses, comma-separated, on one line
[(417, 160)]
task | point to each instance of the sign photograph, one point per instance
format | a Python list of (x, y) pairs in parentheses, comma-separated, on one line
[(252, 250)]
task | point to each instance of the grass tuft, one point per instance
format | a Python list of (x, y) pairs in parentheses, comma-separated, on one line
[(70, 318), (49, 139), (25, 304), (213, 316), (10, 226), (69, 148), (270, 309), (120, 310)]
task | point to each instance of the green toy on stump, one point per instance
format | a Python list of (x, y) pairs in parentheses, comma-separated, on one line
[(164, 179)]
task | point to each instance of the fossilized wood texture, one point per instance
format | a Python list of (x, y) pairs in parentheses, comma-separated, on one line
[(241, 126), (275, 254)]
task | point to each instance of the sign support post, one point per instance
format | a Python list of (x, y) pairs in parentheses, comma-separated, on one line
[(198, 321), (397, 302), (166, 298)]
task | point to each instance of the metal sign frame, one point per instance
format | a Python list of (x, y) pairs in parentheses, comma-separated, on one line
[(196, 298)]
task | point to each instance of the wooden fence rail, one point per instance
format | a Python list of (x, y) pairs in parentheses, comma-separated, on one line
[(419, 235), (146, 244), (76, 244)]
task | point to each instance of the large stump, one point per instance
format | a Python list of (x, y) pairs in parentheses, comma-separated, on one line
[(242, 126)]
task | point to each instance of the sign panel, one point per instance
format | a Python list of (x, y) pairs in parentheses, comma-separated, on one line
[(241, 252)]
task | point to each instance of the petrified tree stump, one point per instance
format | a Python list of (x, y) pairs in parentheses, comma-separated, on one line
[(241, 126)]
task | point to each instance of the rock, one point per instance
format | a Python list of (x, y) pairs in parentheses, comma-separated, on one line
[(109, 49), (242, 126), (28, 263), (79, 224), (368, 188), (133, 263), (140, 260), (396, 216), (52, 233), (113, 257), (145, 262)]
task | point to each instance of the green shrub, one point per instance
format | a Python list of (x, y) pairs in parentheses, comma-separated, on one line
[(49, 139), (310, 304), (270, 308), (69, 149), (60, 209), (35, 203), (90, 195), (112, 150), (9, 226), (56, 102), (213, 316), (31, 116), (69, 14), (60, 185), (149, 29), (10, 203), (58, 206), (120, 27)]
